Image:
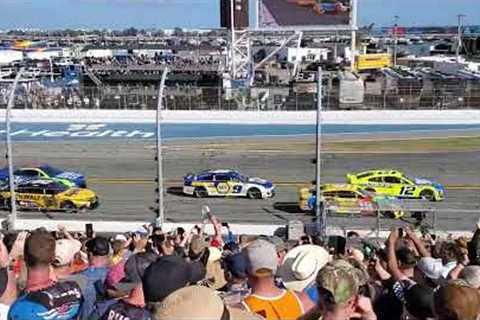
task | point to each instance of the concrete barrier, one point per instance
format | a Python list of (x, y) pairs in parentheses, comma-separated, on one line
[(249, 229)]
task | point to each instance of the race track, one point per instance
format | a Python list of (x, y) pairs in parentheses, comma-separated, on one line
[(122, 173)]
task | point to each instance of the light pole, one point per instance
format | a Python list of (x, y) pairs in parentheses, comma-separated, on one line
[(9, 155), (320, 211), (395, 41), (160, 210), (459, 39)]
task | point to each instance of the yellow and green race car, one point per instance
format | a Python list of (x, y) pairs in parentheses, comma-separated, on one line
[(350, 199), (46, 194), (395, 183)]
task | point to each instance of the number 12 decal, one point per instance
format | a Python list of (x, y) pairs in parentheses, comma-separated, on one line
[(408, 190)]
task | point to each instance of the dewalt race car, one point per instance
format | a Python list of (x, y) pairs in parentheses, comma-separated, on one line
[(395, 183), (46, 194), (45, 171), (227, 182), (350, 199)]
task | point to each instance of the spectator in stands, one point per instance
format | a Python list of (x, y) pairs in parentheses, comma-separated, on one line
[(457, 302), (131, 304), (198, 303), (474, 246), (416, 298), (236, 288), (45, 297), (140, 239), (266, 299), (198, 255), (120, 246), (471, 276), (65, 252), (338, 285), (300, 267), (8, 288), (98, 250), (164, 276)]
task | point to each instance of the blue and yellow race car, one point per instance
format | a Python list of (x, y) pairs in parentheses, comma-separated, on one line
[(228, 182), (45, 171)]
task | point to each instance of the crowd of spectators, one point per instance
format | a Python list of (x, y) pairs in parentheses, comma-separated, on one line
[(174, 62), (154, 274)]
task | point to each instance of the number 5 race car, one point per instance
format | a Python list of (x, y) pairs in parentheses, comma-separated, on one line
[(348, 199), (227, 183), (395, 183)]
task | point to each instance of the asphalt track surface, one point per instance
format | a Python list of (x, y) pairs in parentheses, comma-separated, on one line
[(122, 173)]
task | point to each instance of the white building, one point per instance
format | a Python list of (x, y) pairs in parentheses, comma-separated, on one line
[(97, 53), (307, 54), (44, 54), (9, 55)]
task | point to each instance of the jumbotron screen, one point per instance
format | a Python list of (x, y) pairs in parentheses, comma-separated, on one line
[(304, 13)]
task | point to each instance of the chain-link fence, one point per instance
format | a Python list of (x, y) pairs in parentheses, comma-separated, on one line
[(262, 99)]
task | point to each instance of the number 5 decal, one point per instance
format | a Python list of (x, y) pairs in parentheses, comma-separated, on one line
[(237, 188), (408, 190)]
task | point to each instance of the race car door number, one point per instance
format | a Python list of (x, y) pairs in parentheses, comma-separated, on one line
[(407, 190)]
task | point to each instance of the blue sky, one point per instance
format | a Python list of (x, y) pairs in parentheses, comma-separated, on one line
[(51, 14)]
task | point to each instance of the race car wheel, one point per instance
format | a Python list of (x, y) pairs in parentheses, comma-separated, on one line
[(200, 193), (393, 214), (427, 195), (68, 206), (254, 193)]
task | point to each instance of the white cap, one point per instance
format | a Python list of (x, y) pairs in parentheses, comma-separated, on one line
[(261, 258)]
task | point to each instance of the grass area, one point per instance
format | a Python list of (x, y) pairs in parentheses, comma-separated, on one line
[(307, 146), (457, 144)]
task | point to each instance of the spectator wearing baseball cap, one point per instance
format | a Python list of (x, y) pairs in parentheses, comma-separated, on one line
[(98, 250), (198, 255), (338, 285), (164, 276), (120, 245), (65, 252), (236, 273), (43, 296), (266, 299), (8, 288), (198, 303)]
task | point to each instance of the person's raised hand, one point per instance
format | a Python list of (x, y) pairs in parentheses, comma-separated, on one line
[(4, 258), (17, 248), (364, 309), (394, 236)]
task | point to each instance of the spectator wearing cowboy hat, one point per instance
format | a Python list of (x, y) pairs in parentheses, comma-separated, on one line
[(198, 303), (300, 267)]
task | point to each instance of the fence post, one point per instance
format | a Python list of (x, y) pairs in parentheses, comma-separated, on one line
[(378, 223)]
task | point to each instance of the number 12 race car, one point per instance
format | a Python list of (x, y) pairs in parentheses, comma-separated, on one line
[(395, 183), (227, 183)]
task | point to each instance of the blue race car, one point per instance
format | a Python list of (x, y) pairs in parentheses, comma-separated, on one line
[(227, 182), (45, 171)]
